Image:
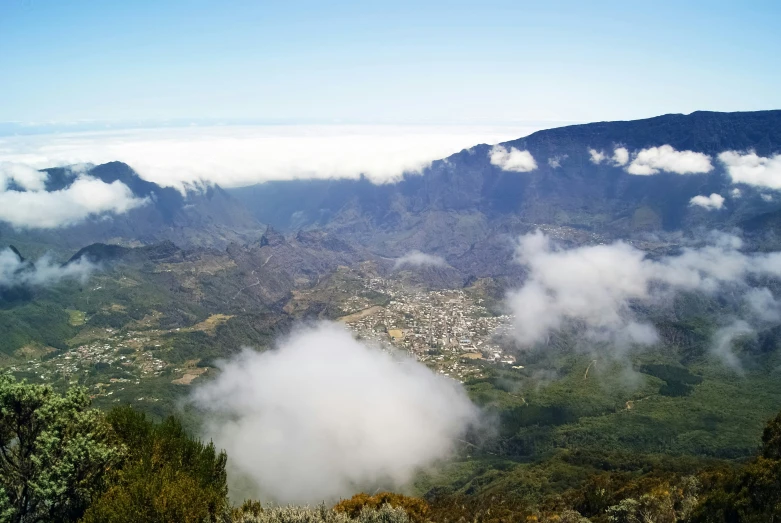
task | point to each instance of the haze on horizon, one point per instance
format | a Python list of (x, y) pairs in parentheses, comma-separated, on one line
[(240, 92)]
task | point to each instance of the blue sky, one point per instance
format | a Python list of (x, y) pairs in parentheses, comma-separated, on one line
[(489, 62)]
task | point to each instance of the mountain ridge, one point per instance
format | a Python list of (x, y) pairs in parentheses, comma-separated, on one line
[(207, 217), (463, 199)]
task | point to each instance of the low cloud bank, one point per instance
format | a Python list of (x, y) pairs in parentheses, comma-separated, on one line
[(419, 259), (25, 204), (15, 272), (742, 167), (665, 158), (752, 169), (711, 203), (596, 286), (513, 160), (244, 155), (323, 415), (655, 160), (21, 175)]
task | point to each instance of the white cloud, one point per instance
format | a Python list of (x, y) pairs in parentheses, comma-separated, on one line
[(666, 158), (724, 338), (766, 197), (419, 259), (555, 161), (736, 193), (597, 157), (589, 284), (323, 416), (14, 272), (22, 175), (752, 169), (243, 155), (84, 198), (513, 160), (763, 305), (620, 156), (712, 202), (596, 285)]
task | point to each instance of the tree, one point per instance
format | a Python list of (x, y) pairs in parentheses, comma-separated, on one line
[(666, 503), (750, 494), (167, 476), (55, 452), (771, 439)]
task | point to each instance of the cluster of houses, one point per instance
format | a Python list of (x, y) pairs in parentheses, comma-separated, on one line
[(449, 330)]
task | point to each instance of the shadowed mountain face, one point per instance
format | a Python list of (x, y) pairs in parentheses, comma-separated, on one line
[(464, 201), (463, 208), (207, 217)]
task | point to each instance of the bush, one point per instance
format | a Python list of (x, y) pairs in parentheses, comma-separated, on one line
[(416, 508), (664, 504), (55, 452), (321, 514), (506, 507), (751, 493)]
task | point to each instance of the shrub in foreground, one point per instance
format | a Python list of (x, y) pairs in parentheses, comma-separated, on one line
[(321, 514), (55, 452), (416, 509)]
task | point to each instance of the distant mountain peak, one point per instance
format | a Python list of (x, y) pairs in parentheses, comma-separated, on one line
[(18, 254), (99, 253), (477, 197), (272, 238), (204, 217)]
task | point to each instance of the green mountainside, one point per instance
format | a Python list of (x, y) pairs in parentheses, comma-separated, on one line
[(573, 428)]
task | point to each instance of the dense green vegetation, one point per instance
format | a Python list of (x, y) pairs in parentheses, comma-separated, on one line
[(61, 461), (41, 322), (612, 487), (165, 475), (550, 405), (668, 430)]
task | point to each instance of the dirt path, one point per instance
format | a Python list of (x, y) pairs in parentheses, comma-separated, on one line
[(245, 288), (593, 362)]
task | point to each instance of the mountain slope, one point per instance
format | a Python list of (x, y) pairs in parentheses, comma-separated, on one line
[(464, 199), (202, 217)]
